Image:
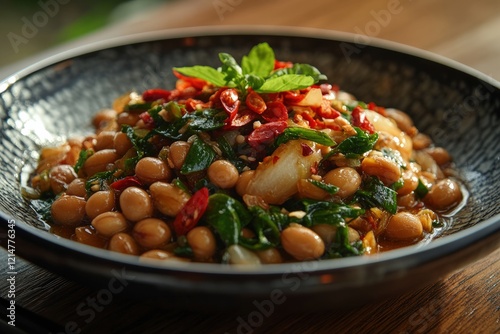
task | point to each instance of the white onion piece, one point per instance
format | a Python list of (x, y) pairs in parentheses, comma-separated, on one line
[(313, 98), (384, 124), (276, 178)]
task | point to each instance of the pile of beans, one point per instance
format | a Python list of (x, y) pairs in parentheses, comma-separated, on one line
[(136, 217)]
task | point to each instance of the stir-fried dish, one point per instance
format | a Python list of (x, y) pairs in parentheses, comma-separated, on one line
[(260, 161)]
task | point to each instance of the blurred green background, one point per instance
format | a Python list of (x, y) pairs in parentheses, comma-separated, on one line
[(31, 26)]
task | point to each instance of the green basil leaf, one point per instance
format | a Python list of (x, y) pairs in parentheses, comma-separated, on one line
[(302, 69), (198, 158), (226, 216), (206, 73), (259, 61), (254, 81), (285, 82), (296, 132), (230, 67), (374, 193)]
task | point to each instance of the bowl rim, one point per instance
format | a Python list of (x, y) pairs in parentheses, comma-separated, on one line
[(264, 30), (414, 254)]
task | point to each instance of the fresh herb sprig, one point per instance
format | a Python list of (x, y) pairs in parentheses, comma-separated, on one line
[(256, 72)]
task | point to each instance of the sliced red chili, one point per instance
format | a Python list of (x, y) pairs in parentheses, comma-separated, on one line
[(266, 133), (191, 212), (255, 102), (151, 95), (306, 149), (242, 117), (147, 119), (194, 82), (282, 64), (128, 181), (360, 120), (276, 111), (374, 107), (293, 96), (230, 101)]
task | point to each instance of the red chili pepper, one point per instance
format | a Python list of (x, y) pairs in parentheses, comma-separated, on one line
[(276, 111), (194, 82), (293, 97), (241, 118), (151, 95), (282, 64), (147, 119), (306, 149), (191, 212), (230, 101), (360, 120), (255, 102), (374, 107), (266, 133), (128, 181)]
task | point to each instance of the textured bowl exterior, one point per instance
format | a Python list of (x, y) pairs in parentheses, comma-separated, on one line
[(458, 108)]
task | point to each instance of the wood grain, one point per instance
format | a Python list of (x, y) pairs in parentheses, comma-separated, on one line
[(467, 301)]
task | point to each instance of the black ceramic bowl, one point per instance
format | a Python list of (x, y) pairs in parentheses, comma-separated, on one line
[(458, 107)]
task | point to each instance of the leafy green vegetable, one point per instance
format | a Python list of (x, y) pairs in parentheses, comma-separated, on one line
[(206, 73), (329, 188), (421, 189), (374, 193), (393, 155), (229, 154), (198, 158), (324, 212), (355, 146), (138, 107), (139, 140), (190, 123), (100, 179), (341, 247), (82, 157), (296, 132), (256, 72), (205, 120), (183, 251), (227, 216), (267, 225), (302, 69), (259, 61), (284, 83)]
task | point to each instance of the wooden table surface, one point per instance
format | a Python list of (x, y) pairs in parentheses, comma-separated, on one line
[(467, 301)]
